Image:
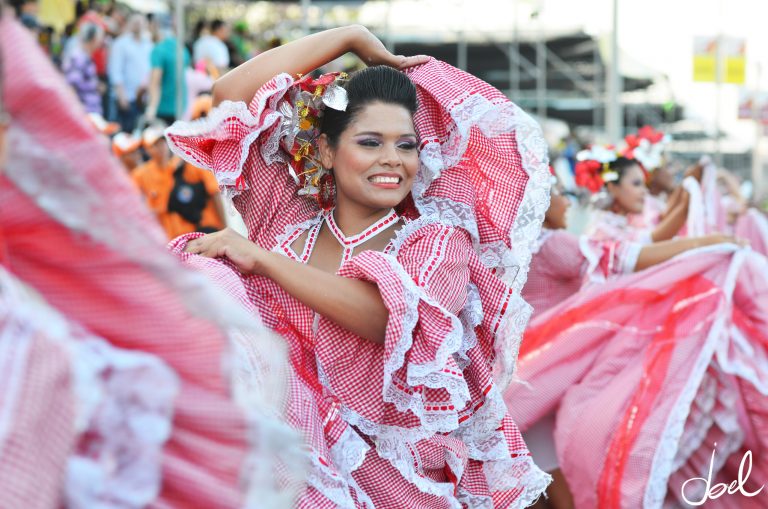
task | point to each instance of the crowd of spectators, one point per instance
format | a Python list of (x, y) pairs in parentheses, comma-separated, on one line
[(122, 67)]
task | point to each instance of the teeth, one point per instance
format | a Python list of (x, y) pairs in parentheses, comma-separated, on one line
[(385, 180)]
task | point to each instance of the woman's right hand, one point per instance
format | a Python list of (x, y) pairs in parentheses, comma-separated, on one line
[(246, 255), (373, 52)]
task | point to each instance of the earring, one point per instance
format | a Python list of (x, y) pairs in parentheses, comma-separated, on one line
[(327, 191)]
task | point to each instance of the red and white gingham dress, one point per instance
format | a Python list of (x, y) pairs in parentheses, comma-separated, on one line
[(418, 421), (113, 387), (564, 262)]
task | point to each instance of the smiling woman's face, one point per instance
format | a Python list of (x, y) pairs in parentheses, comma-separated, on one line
[(376, 158)]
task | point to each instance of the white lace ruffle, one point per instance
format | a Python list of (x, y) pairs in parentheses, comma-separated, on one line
[(396, 445), (543, 237), (290, 229), (125, 413), (509, 338), (471, 316), (213, 125), (696, 223), (429, 374), (737, 356), (347, 455), (484, 443), (274, 472), (123, 403), (714, 406)]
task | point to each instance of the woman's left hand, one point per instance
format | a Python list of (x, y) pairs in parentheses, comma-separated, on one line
[(373, 52), (228, 243)]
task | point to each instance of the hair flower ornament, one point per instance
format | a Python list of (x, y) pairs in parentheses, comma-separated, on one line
[(302, 112), (647, 147), (593, 168)]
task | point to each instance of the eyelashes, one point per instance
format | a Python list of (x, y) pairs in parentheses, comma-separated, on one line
[(373, 143)]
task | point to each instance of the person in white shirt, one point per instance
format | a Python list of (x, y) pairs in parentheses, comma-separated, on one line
[(128, 67), (212, 49)]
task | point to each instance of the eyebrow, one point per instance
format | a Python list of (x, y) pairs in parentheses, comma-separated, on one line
[(374, 133)]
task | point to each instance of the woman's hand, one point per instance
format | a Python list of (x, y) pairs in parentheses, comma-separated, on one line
[(695, 171), (246, 255), (373, 52), (719, 238), (303, 56)]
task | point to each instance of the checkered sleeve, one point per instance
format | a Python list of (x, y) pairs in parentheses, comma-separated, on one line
[(413, 379), (240, 144), (560, 257), (606, 259)]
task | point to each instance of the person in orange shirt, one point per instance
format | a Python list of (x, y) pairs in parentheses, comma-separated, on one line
[(127, 149), (184, 198)]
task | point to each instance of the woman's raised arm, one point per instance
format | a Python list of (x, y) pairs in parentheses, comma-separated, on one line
[(673, 221), (303, 56)]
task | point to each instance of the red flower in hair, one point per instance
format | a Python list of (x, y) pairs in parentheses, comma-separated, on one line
[(633, 141), (588, 175), (645, 147), (650, 134), (318, 86)]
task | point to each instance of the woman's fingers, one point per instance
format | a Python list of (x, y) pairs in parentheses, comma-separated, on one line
[(373, 52), (201, 245), (411, 61)]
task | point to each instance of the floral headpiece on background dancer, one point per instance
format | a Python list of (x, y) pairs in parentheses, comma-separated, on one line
[(647, 148), (593, 168)]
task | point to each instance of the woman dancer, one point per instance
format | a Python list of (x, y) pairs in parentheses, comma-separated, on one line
[(127, 380), (647, 374), (563, 262), (622, 184), (387, 243)]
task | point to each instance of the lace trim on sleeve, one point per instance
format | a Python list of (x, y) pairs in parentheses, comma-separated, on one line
[(630, 252), (431, 374), (258, 118)]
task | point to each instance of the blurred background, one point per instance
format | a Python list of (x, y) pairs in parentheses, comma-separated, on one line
[(590, 71)]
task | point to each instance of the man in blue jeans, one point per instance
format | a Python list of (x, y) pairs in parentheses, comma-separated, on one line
[(128, 67)]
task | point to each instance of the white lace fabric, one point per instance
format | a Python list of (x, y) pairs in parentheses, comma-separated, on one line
[(124, 405)]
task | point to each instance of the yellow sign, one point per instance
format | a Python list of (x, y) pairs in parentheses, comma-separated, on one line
[(705, 59), (731, 52)]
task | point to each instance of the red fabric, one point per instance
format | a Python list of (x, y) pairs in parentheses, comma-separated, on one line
[(41, 432), (753, 227), (488, 177)]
